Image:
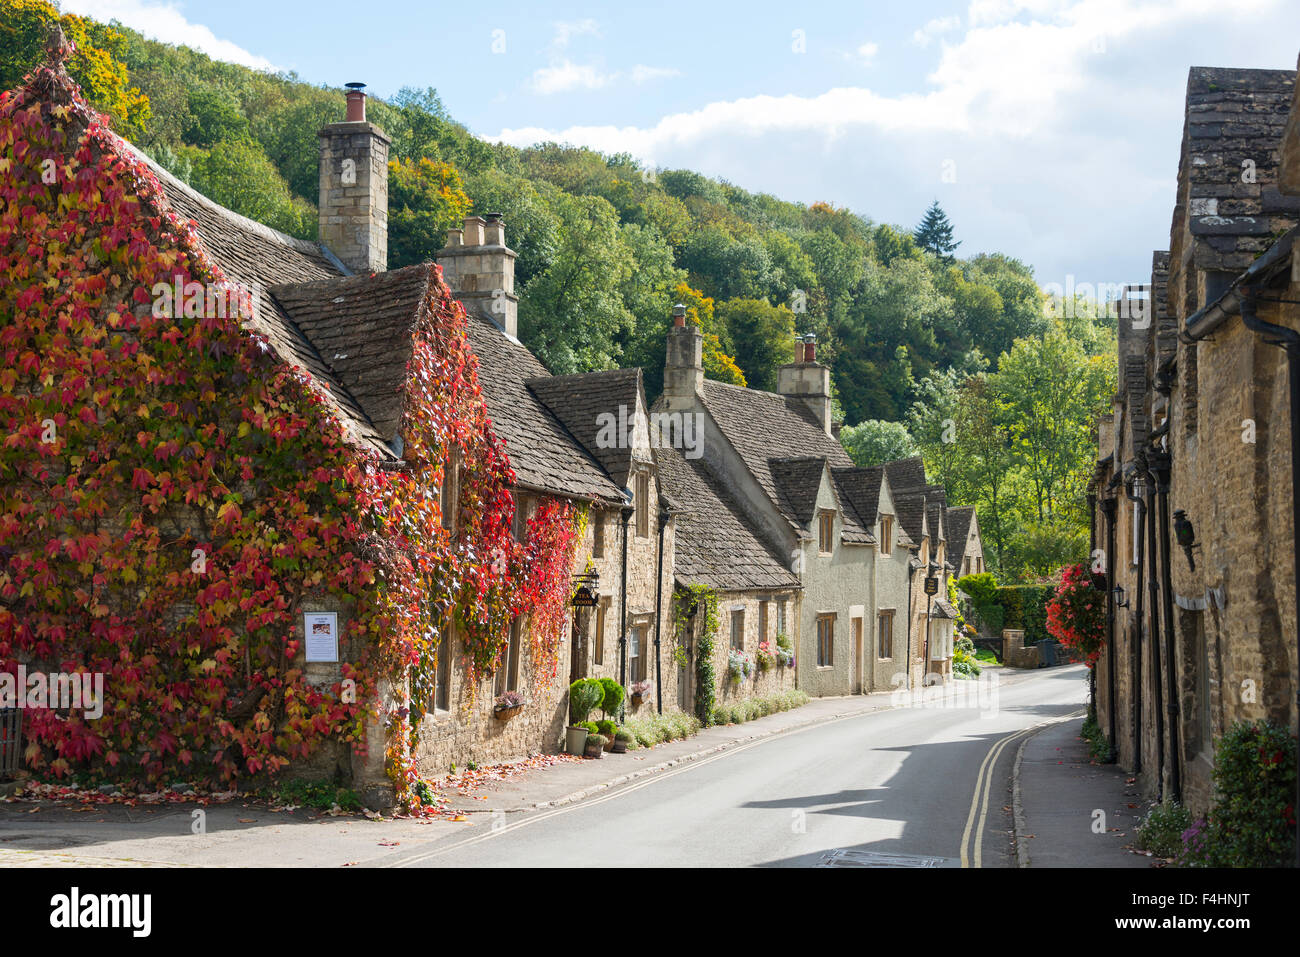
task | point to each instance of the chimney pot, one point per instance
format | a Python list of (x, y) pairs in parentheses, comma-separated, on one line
[(679, 316), (495, 230), (356, 103)]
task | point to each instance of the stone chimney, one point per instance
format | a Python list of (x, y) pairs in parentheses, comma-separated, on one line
[(684, 364), (808, 380), (354, 188), (480, 269)]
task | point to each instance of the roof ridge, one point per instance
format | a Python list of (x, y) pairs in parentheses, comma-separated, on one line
[(305, 246)]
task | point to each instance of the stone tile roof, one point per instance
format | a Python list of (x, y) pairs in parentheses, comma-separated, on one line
[(906, 474), (363, 327), (716, 541), (763, 427), (798, 480), (1162, 318), (258, 257), (578, 402), (1231, 116), (910, 506), (543, 453), (859, 493), (943, 611), (959, 520)]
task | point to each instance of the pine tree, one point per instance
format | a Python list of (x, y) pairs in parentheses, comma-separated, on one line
[(935, 233)]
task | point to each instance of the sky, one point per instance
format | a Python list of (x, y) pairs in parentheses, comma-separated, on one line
[(1048, 130)]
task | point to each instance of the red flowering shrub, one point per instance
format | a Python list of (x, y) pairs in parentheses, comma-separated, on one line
[(1076, 614)]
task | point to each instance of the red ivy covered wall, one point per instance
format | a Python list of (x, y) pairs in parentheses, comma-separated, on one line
[(130, 440)]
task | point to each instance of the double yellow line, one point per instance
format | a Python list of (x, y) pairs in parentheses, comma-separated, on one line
[(979, 802)]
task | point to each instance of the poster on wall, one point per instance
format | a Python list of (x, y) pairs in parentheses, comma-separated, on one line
[(322, 631)]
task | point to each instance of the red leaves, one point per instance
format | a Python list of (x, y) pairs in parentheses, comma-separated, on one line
[(231, 451)]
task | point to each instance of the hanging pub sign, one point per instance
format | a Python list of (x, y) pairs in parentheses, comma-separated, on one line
[(585, 596), (932, 585)]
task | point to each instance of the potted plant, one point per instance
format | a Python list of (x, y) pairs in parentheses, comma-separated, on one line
[(784, 651), (595, 746), (612, 699), (584, 695), (622, 741), (607, 729), (765, 658), (639, 690), (507, 705)]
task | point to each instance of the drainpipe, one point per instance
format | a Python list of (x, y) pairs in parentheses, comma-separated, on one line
[(911, 574), (1153, 586), (659, 614), (1289, 340), (1092, 551), (1161, 473), (626, 512), (1109, 506), (1135, 665)]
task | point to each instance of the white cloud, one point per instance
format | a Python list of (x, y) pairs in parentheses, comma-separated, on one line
[(934, 28), (164, 21), (566, 76), (1006, 79), (1050, 130), (647, 74), (566, 30), (868, 51)]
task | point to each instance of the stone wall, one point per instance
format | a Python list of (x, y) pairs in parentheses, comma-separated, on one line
[(468, 731)]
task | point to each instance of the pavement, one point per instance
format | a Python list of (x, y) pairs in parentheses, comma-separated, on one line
[(1068, 811), (866, 780)]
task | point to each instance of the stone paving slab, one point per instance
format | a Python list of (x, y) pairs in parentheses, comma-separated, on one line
[(1057, 792)]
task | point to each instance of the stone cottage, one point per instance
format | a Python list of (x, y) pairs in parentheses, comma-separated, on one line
[(328, 336), (774, 455), (967, 555), (1194, 521), (923, 510)]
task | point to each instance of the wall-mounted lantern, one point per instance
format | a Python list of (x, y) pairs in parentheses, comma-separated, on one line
[(1186, 536)]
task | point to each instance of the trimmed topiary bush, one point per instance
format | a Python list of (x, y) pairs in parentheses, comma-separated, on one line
[(612, 695), (585, 695)]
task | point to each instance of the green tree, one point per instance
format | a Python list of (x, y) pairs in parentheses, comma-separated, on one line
[(237, 174), (875, 442), (572, 315), (935, 233), (1053, 392), (425, 199), (764, 338), (96, 64)]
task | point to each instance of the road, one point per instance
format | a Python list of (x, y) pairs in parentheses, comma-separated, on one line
[(915, 786)]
